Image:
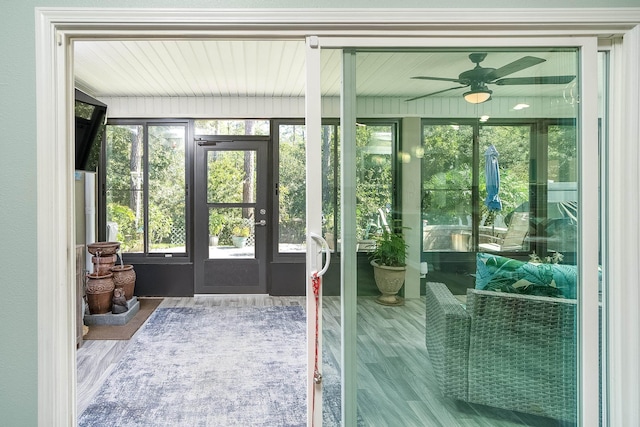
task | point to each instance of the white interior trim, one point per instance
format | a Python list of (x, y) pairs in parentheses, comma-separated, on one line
[(56, 27), (588, 251), (314, 225), (623, 272)]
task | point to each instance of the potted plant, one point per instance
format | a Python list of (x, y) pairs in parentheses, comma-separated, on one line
[(389, 267), (216, 224), (239, 235)]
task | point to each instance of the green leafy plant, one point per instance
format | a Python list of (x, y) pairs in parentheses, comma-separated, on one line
[(390, 250), (216, 223), (240, 231)]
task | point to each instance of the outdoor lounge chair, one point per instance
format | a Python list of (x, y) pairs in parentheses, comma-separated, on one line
[(513, 239), (505, 350)]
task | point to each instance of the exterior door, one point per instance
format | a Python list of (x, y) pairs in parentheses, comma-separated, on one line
[(231, 215)]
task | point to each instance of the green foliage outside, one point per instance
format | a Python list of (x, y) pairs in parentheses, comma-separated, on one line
[(447, 171), (216, 222), (225, 185), (128, 236), (292, 184), (374, 147)]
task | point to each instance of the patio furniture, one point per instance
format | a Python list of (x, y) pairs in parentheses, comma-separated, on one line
[(510, 351), (514, 238)]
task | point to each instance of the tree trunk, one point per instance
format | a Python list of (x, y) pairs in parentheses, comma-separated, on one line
[(135, 178), (249, 172)]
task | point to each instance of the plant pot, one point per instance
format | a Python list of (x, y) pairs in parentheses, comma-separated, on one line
[(102, 264), (103, 248), (99, 293), (124, 276), (213, 240), (389, 281), (239, 242)]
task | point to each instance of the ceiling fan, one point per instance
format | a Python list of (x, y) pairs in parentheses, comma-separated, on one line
[(479, 77)]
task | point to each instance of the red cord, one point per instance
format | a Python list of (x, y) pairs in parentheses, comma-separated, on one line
[(316, 281)]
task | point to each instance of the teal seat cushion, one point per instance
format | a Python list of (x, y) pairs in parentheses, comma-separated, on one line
[(498, 273)]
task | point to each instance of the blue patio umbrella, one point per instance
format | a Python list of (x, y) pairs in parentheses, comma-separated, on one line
[(492, 176)]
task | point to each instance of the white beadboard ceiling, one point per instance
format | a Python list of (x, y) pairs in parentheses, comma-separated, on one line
[(261, 68)]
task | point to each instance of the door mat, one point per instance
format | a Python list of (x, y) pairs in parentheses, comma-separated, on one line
[(124, 332)]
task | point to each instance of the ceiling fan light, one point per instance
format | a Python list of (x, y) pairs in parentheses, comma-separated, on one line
[(477, 96)]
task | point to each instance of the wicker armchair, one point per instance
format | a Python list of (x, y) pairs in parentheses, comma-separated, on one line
[(516, 352)]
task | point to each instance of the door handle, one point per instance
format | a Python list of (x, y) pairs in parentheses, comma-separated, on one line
[(261, 223), (323, 244)]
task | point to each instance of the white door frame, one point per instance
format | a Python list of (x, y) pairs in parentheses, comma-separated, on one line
[(56, 28)]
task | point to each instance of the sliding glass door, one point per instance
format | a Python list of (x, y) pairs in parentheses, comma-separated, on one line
[(479, 180)]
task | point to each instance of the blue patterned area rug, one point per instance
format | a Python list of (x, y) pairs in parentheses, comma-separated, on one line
[(210, 366)]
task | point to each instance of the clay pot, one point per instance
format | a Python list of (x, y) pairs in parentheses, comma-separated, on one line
[(124, 276), (102, 264), (103, 248), (99, 293)]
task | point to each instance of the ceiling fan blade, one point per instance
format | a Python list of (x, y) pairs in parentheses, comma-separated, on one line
[(442, 79), (434, 93), (517, 65), (545, 80)]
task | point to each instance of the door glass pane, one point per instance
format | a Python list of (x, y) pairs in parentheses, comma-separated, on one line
[(486, 336), (231, 233), (167, 190), (124, 186), (231, 176), (291, 188)]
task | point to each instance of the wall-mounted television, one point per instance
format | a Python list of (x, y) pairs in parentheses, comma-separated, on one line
[(90, 114)]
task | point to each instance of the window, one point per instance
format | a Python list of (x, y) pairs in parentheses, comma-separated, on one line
[(291, 190), (145, 187), (536, 160), (232, 127)]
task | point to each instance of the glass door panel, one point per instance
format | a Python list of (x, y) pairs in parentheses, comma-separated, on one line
[(231, 176), (482, 313)]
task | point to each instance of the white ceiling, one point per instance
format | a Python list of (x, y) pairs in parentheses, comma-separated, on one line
[(235, 68)]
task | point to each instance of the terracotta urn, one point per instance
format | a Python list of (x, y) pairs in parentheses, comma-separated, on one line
[(102, 264), (103, 248), (99, 291), (124, 276)]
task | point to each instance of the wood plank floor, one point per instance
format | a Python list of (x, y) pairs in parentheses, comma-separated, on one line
[(396, 385)]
